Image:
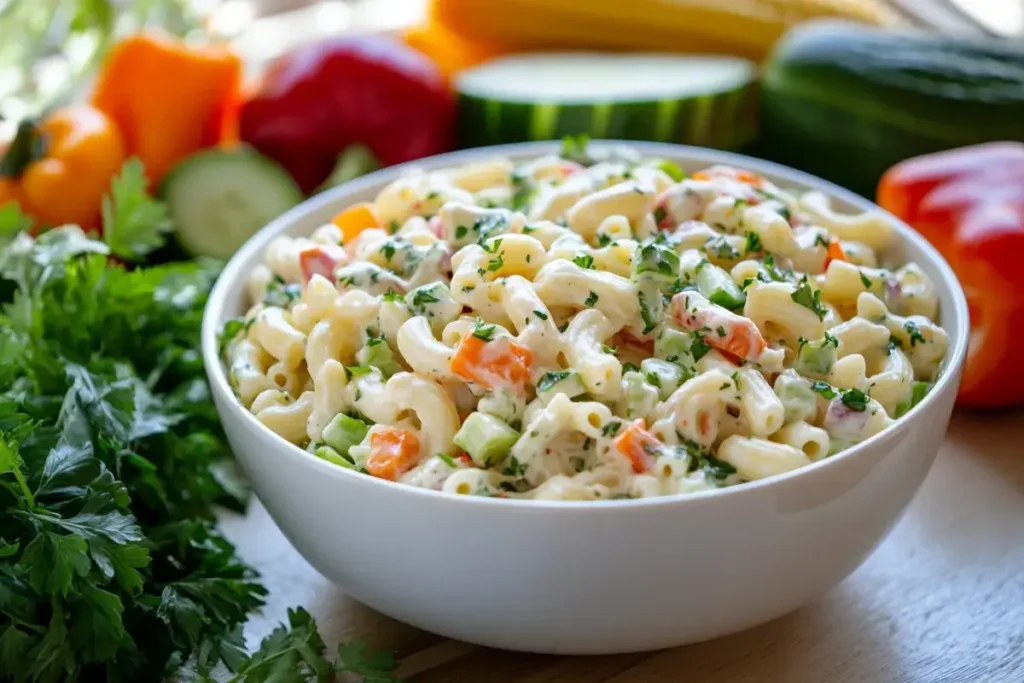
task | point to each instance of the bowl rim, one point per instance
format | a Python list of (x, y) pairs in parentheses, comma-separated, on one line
[(958, 328)]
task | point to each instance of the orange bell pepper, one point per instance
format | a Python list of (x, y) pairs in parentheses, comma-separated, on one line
[(58, 171), (169, 99), (969, 203)]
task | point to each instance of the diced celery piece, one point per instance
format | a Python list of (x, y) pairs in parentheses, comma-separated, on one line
[(717, 285), (674, 346), (332, 456), (918, 391), (815, 358), (664, 375), (343, 432), (379, 355), (486, 438), (639, 396), (798, 399)]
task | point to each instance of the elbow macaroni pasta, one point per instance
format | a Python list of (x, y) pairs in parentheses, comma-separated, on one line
[(562, 331)]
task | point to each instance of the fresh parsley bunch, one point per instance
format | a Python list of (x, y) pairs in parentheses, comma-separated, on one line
[(112, 461)]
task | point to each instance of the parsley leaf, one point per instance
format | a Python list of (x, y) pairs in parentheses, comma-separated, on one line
[(282, 294), (541, 314), (753, 243), (810, 299), (855, 399), (392, 295), (591, 300), (915, 333), (134, 224), (550, 379), (585, 261), (864, 280), (484, 332), (823, 388)]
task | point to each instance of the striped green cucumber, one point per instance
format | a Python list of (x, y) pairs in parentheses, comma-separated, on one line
[(845, 101), (699, 100)]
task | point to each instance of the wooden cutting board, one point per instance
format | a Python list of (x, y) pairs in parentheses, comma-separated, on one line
[(940, 601)]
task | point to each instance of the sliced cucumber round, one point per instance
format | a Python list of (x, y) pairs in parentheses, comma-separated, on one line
[(699, 100), (218, 199)]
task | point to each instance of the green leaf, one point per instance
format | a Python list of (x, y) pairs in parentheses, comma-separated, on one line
[(810, 299), (54, 560), (134, 223), (12, 222), (289, 654), (14, 647), (374, 667), (97, 631)]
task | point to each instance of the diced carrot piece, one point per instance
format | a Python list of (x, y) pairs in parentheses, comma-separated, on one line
[(835, 253), (393, 452), (748, 177), (321, 260), (638, 445), (355, 219), (742, 339), (492, 363)]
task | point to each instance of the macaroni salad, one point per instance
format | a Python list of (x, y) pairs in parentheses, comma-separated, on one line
[(584, 329)]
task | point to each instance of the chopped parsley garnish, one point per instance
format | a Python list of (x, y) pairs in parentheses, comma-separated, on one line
[(855, 399), (810, 299), (550, 379), (585, 261), (721, 248), (498, 260), (721, 331), (823, 388), (392, 295), (527, 229), (753, 243), (514, 468), (484, 332), (388, 250), (591, 300), (461, 231), (820, 240), (829, 339), (773, 271), (656, 257), (231, 329), (652, 378), (699, 348), (864, 280), (603, 240), (394, 226), (630, 367), (281, 294), (915, 333), (422, 297), (608, 349), (447, 460), (611, 429), (541, 314), (357, 370), (659, 215)]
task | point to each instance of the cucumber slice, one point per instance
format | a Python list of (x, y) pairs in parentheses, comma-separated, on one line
[(718, 286), (701, 100), (218, 199)]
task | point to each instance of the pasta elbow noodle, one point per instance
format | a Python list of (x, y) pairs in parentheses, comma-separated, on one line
[(757, 458), (288, 420)]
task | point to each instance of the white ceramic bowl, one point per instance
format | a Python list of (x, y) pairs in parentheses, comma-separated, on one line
[(588, 578)]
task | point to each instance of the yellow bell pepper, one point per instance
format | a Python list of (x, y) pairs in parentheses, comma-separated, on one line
[(58, 170)]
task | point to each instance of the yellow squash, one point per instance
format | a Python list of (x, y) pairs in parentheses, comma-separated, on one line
[(742, 27)]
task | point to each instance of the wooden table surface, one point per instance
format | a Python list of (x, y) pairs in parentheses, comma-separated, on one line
[(940, 601)]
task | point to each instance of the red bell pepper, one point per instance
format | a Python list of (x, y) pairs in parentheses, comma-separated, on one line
[(348, 93), (969, 203)]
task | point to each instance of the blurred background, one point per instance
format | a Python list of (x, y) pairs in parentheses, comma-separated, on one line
[(47, 45)]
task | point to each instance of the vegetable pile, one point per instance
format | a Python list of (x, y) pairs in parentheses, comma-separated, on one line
[(112, 461)]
